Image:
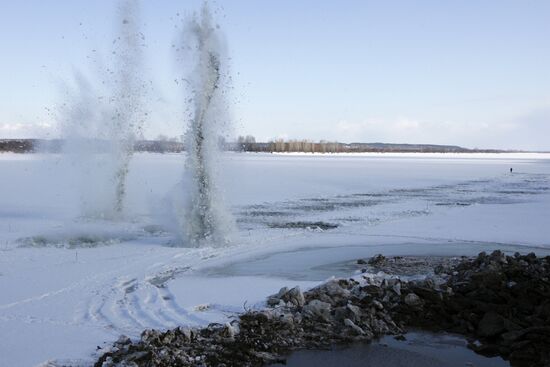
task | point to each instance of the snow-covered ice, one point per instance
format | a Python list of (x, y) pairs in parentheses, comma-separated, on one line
[(69, 284)]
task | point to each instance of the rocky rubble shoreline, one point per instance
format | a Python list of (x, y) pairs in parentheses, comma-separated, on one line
[(501, 303)]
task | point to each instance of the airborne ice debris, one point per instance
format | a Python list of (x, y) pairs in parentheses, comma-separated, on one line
[(204, 216)]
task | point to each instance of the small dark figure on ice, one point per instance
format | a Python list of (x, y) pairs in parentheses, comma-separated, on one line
[(511, 169)]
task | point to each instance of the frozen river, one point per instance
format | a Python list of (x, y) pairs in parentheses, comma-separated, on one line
[(69, 284)]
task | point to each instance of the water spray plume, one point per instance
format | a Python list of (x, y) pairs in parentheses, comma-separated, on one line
[(128, 115), (103, 118), (205, 218)]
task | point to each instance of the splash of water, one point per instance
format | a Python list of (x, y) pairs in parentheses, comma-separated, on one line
[(127, 110), (102, 119), (205, 218)]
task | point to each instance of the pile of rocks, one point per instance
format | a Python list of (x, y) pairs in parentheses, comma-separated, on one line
[(501, 302), (406, 266), (338, 311)]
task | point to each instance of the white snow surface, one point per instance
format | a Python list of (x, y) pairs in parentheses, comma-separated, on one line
[(69, 284)]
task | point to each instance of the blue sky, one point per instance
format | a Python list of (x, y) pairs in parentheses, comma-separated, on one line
[(472, 73)]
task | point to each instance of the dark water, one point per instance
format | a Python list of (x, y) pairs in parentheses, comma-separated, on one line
[(421, 349)]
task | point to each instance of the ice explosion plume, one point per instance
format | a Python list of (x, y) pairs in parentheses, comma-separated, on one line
[(103, 117), (128, 114), (205, 218)]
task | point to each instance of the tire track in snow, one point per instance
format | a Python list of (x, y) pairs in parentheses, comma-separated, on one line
[(171, 307)]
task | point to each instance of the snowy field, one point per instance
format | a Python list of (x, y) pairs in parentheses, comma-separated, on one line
[(69, 285)]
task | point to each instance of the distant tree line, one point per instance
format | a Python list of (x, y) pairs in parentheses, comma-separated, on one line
[(18, 145), (158, 146), (56, 145), (246, 144)]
